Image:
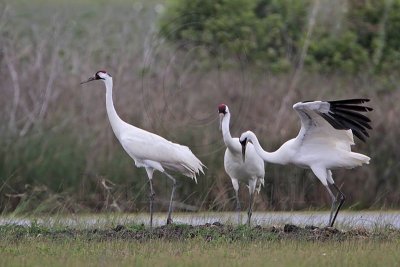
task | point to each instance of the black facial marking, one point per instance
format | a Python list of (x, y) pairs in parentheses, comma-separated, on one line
[(243, 143), (97, 76)]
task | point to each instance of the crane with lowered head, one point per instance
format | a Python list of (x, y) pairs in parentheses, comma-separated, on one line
[(323, 143), (250, 171)]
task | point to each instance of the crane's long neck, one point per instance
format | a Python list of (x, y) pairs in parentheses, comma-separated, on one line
[(226, 134), (276, 157), (115, 120)]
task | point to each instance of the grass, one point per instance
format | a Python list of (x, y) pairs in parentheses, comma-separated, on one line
[(133, 244), (81, 252)]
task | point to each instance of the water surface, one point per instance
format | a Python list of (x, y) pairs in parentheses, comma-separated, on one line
[(366, 219)]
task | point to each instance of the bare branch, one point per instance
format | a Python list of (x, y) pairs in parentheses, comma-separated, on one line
[(300, 65), (17, 90), (382, 33)]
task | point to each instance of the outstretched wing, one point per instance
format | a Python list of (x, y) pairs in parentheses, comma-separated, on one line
[(150, 149), (333, 121)]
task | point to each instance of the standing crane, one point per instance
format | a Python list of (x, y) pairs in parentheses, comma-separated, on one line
[(149, 150), (250, 171), (323, 143)]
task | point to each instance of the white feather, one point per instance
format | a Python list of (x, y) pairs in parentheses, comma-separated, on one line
[(145, 147)]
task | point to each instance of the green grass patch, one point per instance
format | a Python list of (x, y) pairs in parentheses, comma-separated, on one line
[(204, 245), (82, 252)]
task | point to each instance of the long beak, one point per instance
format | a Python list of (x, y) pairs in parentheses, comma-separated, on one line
[(221, 116), (89, 80), (244, 143)]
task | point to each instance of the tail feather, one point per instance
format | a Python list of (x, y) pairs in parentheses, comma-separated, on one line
[(260, 184), (192, 164), (359, 159)]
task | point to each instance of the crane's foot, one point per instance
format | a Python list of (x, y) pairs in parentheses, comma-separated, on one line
[(250, 211), (341, 199), (238, 209), (239, 218), (151, 198), (171, 201), (249, 219), (169, 221)]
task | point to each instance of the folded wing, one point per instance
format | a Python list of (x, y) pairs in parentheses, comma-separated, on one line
[(148, 147)]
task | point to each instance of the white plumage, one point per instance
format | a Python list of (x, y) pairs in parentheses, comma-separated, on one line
[(149, 150), (250, 171), (162, 155), (324, 141)]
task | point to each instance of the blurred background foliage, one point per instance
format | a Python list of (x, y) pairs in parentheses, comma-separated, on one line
[(173, 62), (350, 36)]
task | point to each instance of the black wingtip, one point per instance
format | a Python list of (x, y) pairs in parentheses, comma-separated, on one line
[(352, 107), (346, 115), (350, 101), (359, 135)]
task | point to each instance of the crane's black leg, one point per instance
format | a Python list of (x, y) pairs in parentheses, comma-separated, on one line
[(250, 211), (169, 219), (341, 198), (332, 205), (238, 209), (151, 198)]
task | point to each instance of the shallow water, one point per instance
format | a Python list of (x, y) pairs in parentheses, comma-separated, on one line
[(345, 219)]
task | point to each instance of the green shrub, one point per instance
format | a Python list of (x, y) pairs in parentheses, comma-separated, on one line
[(270, 33), (215, 25), (332, 53), (377, 24), (258, 31), (280, 26)]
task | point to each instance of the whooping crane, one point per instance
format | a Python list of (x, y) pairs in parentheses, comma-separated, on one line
[(250, 171), (149, 150), (323, 143)]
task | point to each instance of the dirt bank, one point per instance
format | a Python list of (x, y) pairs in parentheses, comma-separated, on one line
[(208, 232)]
